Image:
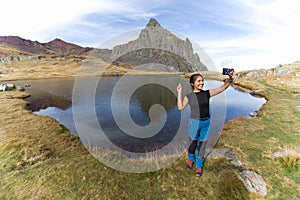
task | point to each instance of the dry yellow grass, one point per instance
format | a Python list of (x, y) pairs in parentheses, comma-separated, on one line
[(40, 159)]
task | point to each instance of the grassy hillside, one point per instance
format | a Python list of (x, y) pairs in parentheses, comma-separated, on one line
[(274, 132), (40, 159)]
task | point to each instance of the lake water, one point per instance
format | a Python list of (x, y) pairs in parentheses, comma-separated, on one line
[(136, 114)]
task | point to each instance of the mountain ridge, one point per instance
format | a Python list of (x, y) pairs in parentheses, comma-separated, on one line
[(155, 44), (54, 46), (155, 38)]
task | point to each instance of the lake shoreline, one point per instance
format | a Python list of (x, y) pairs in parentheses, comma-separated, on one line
[(238, 87), (52, 154), (207, 74)]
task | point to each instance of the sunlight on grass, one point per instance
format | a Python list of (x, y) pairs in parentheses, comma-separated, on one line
[(40, 159)]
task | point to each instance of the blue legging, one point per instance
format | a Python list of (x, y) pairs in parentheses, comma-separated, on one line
[(198, 131)]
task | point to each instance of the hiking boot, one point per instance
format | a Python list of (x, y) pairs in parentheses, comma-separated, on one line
[(199, 172), (190, 164)]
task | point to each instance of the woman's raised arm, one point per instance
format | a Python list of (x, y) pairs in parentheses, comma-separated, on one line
[(181, 104), (220, 89)]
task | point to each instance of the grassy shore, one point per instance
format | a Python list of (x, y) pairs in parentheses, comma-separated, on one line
[(40, 159), (276, 130), (71, 67)]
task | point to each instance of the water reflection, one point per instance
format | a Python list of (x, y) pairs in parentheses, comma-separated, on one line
[(148, 95), (45, 93), (143, 111), (53, 97)]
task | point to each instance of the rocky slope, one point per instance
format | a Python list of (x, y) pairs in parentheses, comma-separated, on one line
[(284, 77), (158, 45)]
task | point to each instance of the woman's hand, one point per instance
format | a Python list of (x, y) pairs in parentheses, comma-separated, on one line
[(220, 89), (179, 88), (231, 74), (231, 77)]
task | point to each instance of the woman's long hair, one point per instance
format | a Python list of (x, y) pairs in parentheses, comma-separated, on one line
[(193, 78)]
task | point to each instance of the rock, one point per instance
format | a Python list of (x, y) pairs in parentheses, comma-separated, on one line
[(227, 154), (288, 180), (256, 93), (283, 70), (155, 37), (3, 87), (279, 71), (251, 114), (33, 58), (253, 182), (238, 164), (282, 154), (221, 153), (20, 88), (10, 85)]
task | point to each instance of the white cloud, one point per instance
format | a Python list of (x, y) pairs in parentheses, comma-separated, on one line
[(266, 31), (273, 40), (29, 18), (32, 18)]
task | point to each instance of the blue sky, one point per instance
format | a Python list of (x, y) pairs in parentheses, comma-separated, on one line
[(244, 34)]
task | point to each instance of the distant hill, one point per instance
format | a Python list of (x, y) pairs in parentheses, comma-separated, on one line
[(15, 46), (56, 46), (154, 45), (20, 46)]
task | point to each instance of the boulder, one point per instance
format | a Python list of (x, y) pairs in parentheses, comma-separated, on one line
[(3, 87), (253, 182)]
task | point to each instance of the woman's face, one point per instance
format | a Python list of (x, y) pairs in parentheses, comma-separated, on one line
[(198, 83)]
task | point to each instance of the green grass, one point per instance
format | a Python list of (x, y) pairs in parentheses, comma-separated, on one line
[(277, 129), (40, 159)]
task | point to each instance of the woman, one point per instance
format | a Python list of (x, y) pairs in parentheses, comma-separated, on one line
[(199, 121)]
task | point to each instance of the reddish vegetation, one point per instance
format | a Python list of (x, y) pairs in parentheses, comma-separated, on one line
[(35, 47), (22, 44), (61, 46)]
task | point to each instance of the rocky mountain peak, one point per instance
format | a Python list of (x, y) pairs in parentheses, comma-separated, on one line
[(154, 36), (57, 40), (153, 23)]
